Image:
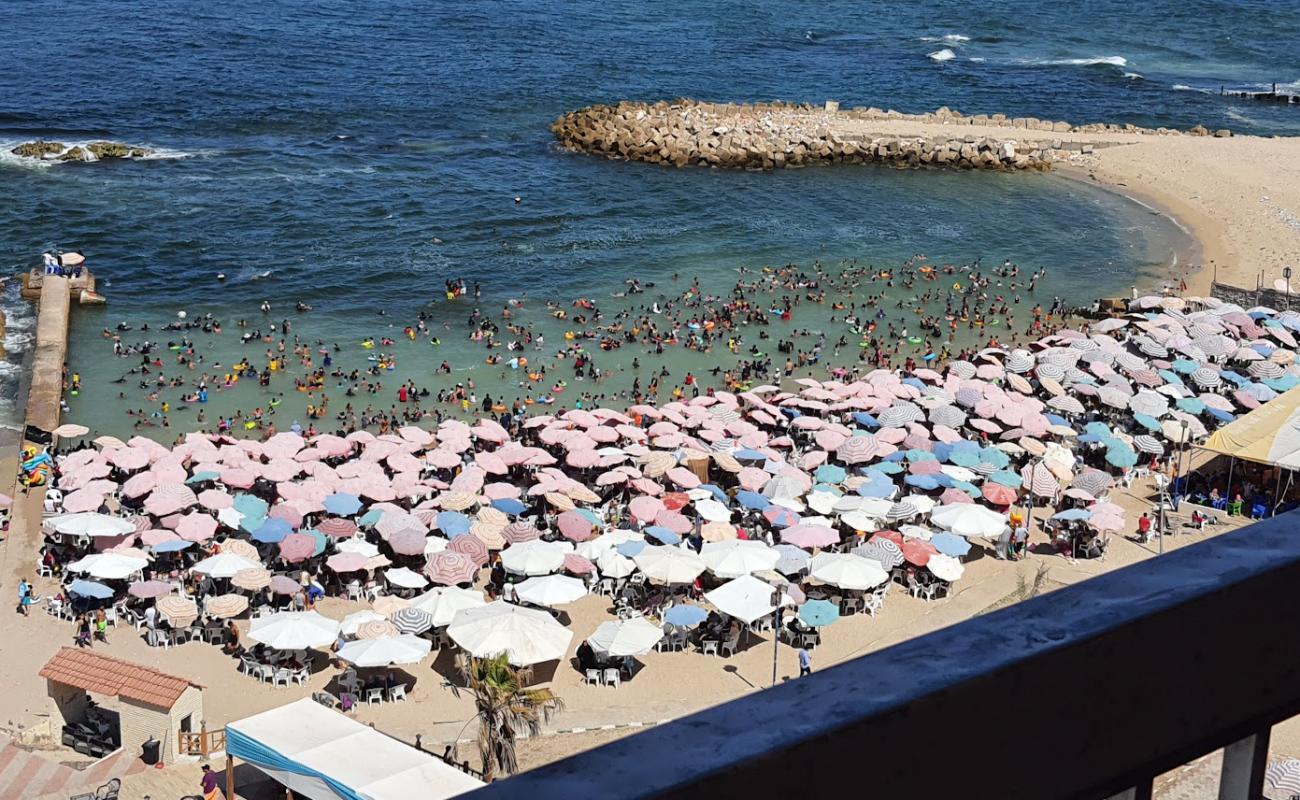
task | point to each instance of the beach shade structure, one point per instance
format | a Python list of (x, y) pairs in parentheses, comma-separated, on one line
[(91, 589), (712, 511), (294, 630), (108, 566), (89, 523), (810, 536), (509, 505), (385, 651), (250, 506), (791, 559), (550, 590), (225, 606), (1040, 480), (1072, 515), (780, 517), (526, 636), (918, 552), (252, 580), (1121, 455), (752, 501), (969, 519), (196, 527), (578, 565), (903, 509), (520, 531), (451, 567), (847, 571), (342, 504), (353, 622), (574, 526), (224, 565), (453, 523), (885, 551), (407, 542), (684, 615), (1207, 378), (945, 567), (411, 620), (178, 610), (297, 547), (613, 564), (746, 598), (405, 578), (1283, 778), (999, 494), (151, 589), (662, 535), (344, 562), (736, 557), (443, 603), (669, 565), (950, 544), (1093, 481), (69, 430), (1148, 444), (536, 557), (623, 638), (819, 613)]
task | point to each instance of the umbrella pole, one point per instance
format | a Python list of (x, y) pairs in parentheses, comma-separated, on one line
[(1232, 461)]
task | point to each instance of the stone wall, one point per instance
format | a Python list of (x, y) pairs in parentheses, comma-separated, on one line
[(779, 135), (1249, 298)]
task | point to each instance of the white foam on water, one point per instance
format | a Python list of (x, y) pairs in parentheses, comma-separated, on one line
[(8, 157), (942, 55), (1133, 76), (1182, 87), (952, 38), (976, 59), (1113, 61)]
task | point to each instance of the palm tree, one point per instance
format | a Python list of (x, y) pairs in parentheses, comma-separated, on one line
[(506, 709)]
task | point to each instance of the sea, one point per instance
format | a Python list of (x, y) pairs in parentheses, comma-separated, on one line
[(354, 156)]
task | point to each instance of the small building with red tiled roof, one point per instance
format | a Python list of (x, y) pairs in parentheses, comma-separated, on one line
[(151, 704)]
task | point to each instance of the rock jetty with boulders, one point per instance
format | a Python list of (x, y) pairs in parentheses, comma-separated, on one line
[(90, 151), (783, 135)]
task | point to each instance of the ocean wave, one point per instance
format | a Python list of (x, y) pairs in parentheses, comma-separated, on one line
[(976, 59), (1182, 87), (1110, 61), (952, 38), (941, 55), (1133, 76)]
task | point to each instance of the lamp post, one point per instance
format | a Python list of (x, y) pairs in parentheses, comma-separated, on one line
[(776, 630), (1286, 273)]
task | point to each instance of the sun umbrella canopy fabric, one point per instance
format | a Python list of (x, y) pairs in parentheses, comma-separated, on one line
[(385, 650), (619, 638), (294, 630), (746, 598), (550, 590), (526, 636)]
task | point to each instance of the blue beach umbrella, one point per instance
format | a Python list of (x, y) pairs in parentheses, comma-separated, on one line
[(1089, 438), (888, 467), (1185, 365), (1222, 416), (819, 613), (1191, 405), (950, 544), (321, 540), (1006, 478), (371, 517), (171, 546), (662, 534), (1283, 384), (830, 473), (1147, 421), (1170, 377), (1073, 514), (828, 489), (917, 454), (748, 455), (205, 475), (752, 500), (630, 548), (1235, 377), (251, 524), (714, 490), (964, 458), (272, 530), (509, 505), (942, 450), (591, 516), (878, 485), (779, 517), (1097, 429), (84, 588), (453, 523), (996, 457), (345, 505), (1057, 419), (866, 420), (894, 458), (685, 616), (967, 487), (1121, 455), (923, 482), (250, 505)]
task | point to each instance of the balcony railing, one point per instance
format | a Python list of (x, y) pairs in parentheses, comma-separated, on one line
[(1087, 692)]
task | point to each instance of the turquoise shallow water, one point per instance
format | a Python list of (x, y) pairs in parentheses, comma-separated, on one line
[(361, 172)]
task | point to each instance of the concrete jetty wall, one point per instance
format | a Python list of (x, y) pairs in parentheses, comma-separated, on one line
[(45, 396), (778, 135)]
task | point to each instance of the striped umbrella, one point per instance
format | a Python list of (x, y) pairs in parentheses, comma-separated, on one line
[(1040, 480), (998, 494), (1283, 777), (177, 610), (1207, 378), (951, 416), (450, 568), (1151, 348), (1019, 362), (471, 546), (1048, 370), (858, 449), (882, 550), (376, 629), (251, 579), (1151, 403), (337, 527), (225, 606), (1067, 404), (903, 509), (1148, 444), (962, 369), (1266, 369), (900, 415), (520, 531), (411, 620)]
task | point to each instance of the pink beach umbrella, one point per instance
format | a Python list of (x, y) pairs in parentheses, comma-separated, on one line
[(674, 521), (645, 509), (810, 536), (287, 513), (297, 547), (578, 565), (196, 527), (82, 500), (216, 499), (238, 478), (139, 484), (157, 536), (574, 526), (451, 567), (491, 463), (471, 546), (951, 496), (683, 477), (407, 542), (169, 499), (346, 562), (337, 528), (128, 458)]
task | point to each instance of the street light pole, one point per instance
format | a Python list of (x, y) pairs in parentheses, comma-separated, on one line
[(1286, 273)]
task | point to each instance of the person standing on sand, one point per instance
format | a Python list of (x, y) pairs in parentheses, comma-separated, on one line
[(805, 662), (210, 785)]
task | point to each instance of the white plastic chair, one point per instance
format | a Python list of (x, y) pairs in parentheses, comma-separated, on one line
[(397, 692), (593, 676), (44, 570), (374, 696), (612, 678), (282, 677)]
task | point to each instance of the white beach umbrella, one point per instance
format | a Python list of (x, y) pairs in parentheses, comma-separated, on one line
[(550, 590), (969, 519), (613, 565), (359, 546), (669, 564), (535, 557), (406, 578), (736, 557), (443, 603), (847, 571), (90, 523), (632, 637), (945, 567), (712, 510), (746, 598), (294, 630), (356, 619), (224, 565), (108, 566), (385, 650), (525, 635)]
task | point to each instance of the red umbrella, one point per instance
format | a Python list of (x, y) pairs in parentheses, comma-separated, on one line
[(577, 564), (471, 546), (574, 526), (297, 547), (450, 567), (918, 552), (675, 501), (893, 536), (998, 494), (337, 527)]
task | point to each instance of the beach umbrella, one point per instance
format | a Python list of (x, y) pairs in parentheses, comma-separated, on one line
[(509, 505), (736, 557), (998, 494), (662, 535), (405, 578), (337, 528), (669, 565), (847, 571), (284, 586), (712, 511), (342, 504), (411, 620), (454, 523), (1120, 455), (520, 531), (443, 603), (819, 613), (574, 526), (918, 552), (178, 610), (950, 544), (344, 561), (684, 615), (945, 567), (294, 630), (108, 566), (451, 567), (250, 506), (1283, 777), (224, 565), (535, 557), (746, 598), (578, 565), (903, 509), (1148, 444), (969, 519), (385, 651), (1072, 514), (151, 589), (791, 559), (1207, 378), (810, 536), (272, 531), (550, 590), (225, 606), (622, 638), (297, 547), (526, 636), (251, 579), (882, 550), (92, 589), (89, 523), (752, 501)]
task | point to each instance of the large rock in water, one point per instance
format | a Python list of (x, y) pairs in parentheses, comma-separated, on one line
[(93, 151), (39, 149)]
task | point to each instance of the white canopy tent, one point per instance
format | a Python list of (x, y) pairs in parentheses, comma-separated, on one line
[(321, 754)]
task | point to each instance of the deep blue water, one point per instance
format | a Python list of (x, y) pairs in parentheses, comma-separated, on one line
[(333, 143)]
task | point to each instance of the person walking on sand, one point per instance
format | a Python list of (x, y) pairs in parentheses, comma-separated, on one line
[(24, 596), (805, 662), (210, 784)]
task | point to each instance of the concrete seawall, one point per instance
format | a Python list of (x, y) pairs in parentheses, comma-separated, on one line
[(782, 135)]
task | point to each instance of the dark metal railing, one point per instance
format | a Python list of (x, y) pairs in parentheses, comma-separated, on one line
[(1087, 692)]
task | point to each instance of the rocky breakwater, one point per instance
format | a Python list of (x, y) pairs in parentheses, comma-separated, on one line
[(42, 150), (774, 136)]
